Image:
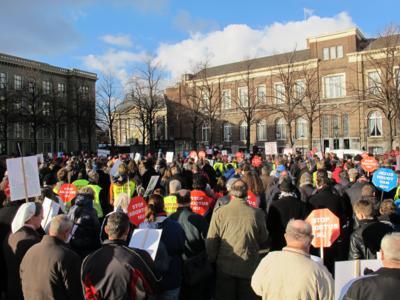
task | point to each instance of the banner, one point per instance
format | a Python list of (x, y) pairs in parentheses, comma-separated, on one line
[(271, 148)]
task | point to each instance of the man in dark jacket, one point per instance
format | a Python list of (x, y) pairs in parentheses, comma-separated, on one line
[(116, 271), (50, 270), (365, 240), (385, 282)]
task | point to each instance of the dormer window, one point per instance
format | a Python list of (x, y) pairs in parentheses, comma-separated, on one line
[(333, 52)]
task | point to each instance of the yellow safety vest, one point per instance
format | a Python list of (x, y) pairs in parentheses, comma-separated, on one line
[(170, 204), (96, 202), (118, 189)]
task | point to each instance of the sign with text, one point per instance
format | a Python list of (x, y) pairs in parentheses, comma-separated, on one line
[(325, 227), (369, 164), (146, 239), (271, 148), (169, 157), (67, 192), (137, 210), (151, 186), (385, 179), (103, 153), (50, 210)]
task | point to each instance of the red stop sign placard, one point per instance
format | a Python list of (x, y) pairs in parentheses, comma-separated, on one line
[(325, 227), (256, 161), (369, 164), (67, 192), (137, 210)]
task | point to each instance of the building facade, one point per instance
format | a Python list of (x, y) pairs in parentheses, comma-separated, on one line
[(45, 108), (341, 92)]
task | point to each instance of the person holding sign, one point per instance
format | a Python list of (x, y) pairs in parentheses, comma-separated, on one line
[(293, 269), (116, 271), (201, 203), (121, 184)]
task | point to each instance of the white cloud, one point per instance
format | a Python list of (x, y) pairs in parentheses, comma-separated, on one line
[(308, 12), (238, 41), (187, 23), (120, 40)]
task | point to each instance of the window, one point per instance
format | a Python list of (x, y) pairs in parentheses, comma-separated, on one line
[(61, 88), (335, 125), (46, 108), (3, 104), (332, 52), (325, 126), (262, 130), (281, 129), (334, 86), (339, 52), (226, 99), (374, 82), (47, 147), (261, 94), (375, 124), (345, 124), (243, 97), (280, 93), (3, 80), (243, 131), (31, 86), (31, 131), (84, 89), (205, 132), (227, 132), (61, 131), (18, 130), (299, 89), (301, 128), (46, 87), (326, 53), (17, 82), (205, 100)]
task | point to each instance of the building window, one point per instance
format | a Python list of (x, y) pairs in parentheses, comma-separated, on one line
[(335, 125), (3, 80), (374, 82), (61, 88), (261, 94), (84, 89), (205, 132), (334, 86), (345, 124), (243, 131), (17, 82), (279, 93), (18, 128), (243, 97), (46, 87), (326, 53), (300, 89), (325, 126), (226, 99), (61, 131), (301, 128), (205, 100), (332, 53), (262, 130), (47, 147), (31, 131), (46, 108), (227, 132), (281, 129), (375, 123), (339, 52)]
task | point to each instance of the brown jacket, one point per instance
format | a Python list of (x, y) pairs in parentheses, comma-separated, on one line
[(236, 233), (50, 270), (14, 249)]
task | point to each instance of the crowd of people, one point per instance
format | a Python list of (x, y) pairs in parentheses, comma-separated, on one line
[(231, 229)]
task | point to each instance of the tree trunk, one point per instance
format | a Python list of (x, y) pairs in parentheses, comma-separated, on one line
[(194, 136), (248, 135), (55, 137), (143, 140), (310, 133), (290, 134), (390, 134)]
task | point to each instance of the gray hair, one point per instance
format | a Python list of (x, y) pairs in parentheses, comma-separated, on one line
[(239, 189), (299, 230), (229, 183), (174, 186), (117, 225), (59, 225), (390, 245)]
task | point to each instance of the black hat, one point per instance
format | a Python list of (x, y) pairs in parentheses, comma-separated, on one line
[(286, 185)]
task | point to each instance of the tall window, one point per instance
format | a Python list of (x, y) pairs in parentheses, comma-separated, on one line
[(325, 126), (31, 131), (301, 128), (227, 132), (243, 96), (335, 125), (339, 52), (46, 87), (334, 86), (3, 80), (205, 132), (61, 88), (18, 130), (262, 130), (373, 82), (261, 94), (46, 108), (299, 89), (280, 93), (281, 129), (326, 53), (17, 82), (61, 131), (205, 100), (243, 131), (226, 99), (345, 125), (332, 52), (375, 123)]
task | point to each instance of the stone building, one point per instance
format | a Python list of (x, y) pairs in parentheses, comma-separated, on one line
[(337, 94), (45, 108)]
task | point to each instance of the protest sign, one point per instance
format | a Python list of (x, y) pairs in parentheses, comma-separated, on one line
[(137, 157), (325, 227), (50, 210), (239, 156), (146, 239), (103, 153), (252, 199), (137, 210), (67, 192), (50, 155), (369, 164), (114, 169), (287, 151), (256, 161), (385, 179), (40, 158), (151, 186), (23, 177), (271, 148), (169, 157), (170, 204)]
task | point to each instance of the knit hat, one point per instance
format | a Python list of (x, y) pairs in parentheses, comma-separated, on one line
[(25, 212)]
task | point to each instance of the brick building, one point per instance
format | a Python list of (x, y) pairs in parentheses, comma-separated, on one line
[(338, 93), (45, 108)]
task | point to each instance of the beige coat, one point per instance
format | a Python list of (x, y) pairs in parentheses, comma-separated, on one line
[(292, 274)]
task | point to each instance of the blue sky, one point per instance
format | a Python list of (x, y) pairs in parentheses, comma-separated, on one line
[(116, 36)]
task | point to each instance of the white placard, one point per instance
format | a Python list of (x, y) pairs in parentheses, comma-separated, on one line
[(16, 177), (114, 169), (151, 186), (50, 210), (348, 270), (287, 151), (131, 155), (103, 153), (224, 152), (327, 150), (169, 157), (137, 157), (50, 155), (271, 148), (146, 239), (40, 158)]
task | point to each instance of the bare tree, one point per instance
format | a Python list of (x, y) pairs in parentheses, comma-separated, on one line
[(7, 114)]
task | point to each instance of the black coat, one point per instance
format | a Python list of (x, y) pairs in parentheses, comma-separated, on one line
[(325, 198)]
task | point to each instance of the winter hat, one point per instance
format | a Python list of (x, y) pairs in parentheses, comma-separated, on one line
[(286, 185)]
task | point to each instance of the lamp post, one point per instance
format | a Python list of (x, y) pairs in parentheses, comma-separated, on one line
[(302, 143)]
